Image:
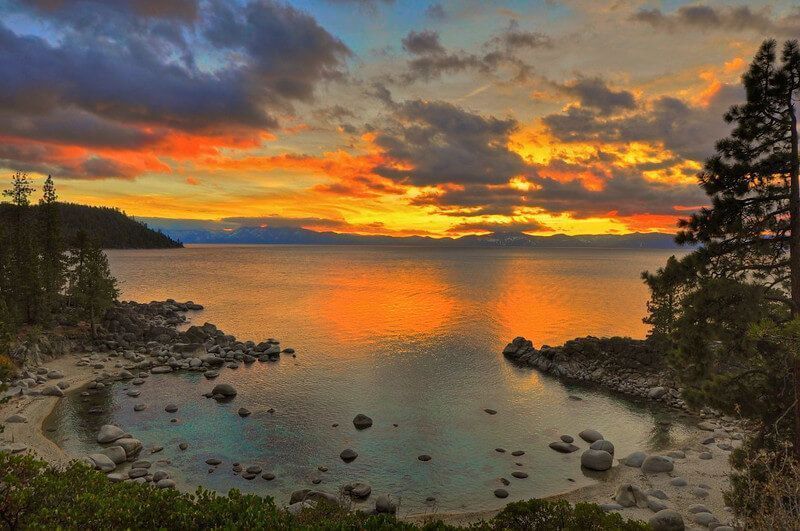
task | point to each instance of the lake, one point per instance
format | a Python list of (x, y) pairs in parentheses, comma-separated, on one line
[(409, 336)]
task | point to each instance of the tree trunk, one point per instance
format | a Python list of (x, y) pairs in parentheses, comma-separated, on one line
[(794, 257)]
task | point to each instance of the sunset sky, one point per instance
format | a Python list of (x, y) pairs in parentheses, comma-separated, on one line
[(391, 117)]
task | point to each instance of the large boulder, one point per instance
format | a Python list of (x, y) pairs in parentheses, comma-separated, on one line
[(563, 447), (226, 390), (629, 495), (598, 460), (667, 520), (115, 453), (656, 464), (604, 445), (131, 446), (358, 490), (635, 459), (109, 433), (52, 390), (102, 462), (590, 436), (385, 505)]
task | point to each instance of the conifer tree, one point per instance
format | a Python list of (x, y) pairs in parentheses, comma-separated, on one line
[(50, 245), (92, 289)]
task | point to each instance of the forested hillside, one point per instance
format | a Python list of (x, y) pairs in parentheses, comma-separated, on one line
[(108, 227)]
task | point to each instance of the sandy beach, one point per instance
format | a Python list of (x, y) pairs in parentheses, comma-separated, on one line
[(706, 479)]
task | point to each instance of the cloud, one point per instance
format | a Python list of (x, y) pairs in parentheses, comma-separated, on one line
[(690, 131), (431, 143), (711, 18), (422, 43), (594, 93), (436, 12)]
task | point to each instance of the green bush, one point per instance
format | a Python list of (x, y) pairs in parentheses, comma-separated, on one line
[(35, 495)]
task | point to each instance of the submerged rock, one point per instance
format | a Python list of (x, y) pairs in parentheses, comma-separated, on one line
[(362, 422), (109, 433), (348, 455)]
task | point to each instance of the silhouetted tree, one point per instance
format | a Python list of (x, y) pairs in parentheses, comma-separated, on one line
[(51, 246), (92, 287)]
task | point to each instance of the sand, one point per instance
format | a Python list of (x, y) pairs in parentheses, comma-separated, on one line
[(712, 473)]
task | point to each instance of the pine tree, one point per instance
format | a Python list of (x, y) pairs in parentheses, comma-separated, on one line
[(748, 268), (50, 245), (92, 288)]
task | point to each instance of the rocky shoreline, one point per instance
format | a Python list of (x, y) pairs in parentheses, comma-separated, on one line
[(630, 366)]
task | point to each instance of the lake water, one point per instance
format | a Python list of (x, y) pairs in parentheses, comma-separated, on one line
[(408, 336)]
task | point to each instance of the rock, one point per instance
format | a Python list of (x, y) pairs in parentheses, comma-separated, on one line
[(609, 507), (116, 477), (501, 493), (132, 446), (490, 411), (166, 484), (635, 459), (698, 508), (500, 450), (698, 492), (705, 519), (183, 446), (141, 464), (253, 469), (211, 374), (678, 482), (244, 412), (140, 407), (604, 445), (705, 456), (171, 408), (55, 375), (517, 453), (654, 393), (519, 475), (109, 433), (385, 505), (268, 476), (158, 475), (424, 457), (667, 520), (629, 495), (213, 461), (656, 464), (52, 390), (598, 460), (115, 453), (17, 419), (564, 448), (358, 490), (677, 454), (567, 439), (590, 436), (348, 455), (161, 369), (156, 449), (657, 493), (133, 393), (362, 422), (727, 447), (225, 390), (102, 462), (655, 504)]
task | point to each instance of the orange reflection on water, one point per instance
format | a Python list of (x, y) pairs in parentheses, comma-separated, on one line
[(409, 301)]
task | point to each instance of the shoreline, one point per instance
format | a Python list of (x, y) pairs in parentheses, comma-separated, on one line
[(76, 371)]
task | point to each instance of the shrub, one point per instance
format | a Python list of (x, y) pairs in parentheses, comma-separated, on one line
[(35, 495)]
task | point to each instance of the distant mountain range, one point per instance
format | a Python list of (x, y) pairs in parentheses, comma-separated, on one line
[(294, 235)]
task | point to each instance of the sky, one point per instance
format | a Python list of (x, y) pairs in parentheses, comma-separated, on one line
[(396, 117)]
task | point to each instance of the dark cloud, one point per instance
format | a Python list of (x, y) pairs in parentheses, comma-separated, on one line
[(709, 18), (431, 60), (690, 131), (475, 200), (594, 93), (370, 5), (422, 43), (443, 143), (179, 9)]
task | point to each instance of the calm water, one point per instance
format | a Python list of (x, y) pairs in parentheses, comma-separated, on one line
[(409, 336)]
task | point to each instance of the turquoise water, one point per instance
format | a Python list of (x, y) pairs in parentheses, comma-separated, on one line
[(407, 336)]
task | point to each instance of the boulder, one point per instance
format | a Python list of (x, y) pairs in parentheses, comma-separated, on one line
[(667, 520), (654, 393), (590, 436), (226, 390), (348, 455), (17, 419), (102, 462), (604, 445), (629, 495), (131, 446), (358, 490), (244, 412), (567, 439), (109, 433), (656, 504), (501, 493), (656, 464), (166, 484), (115, 453), (52, 390), (362, 422), (385, 505), (598, 460), (635, 459), (563, 447)]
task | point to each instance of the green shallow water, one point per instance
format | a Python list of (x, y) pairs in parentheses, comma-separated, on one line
[(407, 336)]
